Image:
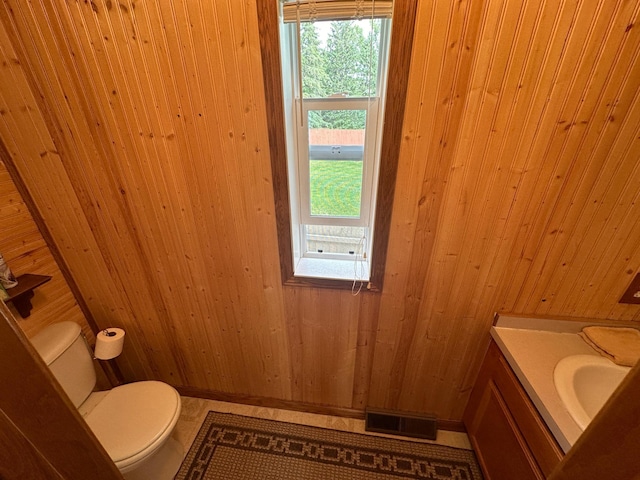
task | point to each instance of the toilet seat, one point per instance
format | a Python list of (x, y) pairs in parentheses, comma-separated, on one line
[(133, 420)]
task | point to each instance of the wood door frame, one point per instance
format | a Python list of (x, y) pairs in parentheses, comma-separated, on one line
[(41, 415)]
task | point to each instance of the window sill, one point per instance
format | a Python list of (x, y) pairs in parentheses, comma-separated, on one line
[(331, 269), (328, 273)]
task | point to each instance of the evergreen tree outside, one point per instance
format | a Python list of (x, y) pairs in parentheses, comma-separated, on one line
[(372, 54), (345, 66), (314, 73), (347, 59)]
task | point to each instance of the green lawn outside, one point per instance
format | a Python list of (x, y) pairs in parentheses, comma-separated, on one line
[(336, 187)]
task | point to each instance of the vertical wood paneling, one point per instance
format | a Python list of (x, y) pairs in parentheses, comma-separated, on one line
[(416, 213), (140, 131), (152, 136), (535, 202), (326, 327), (25, 251)]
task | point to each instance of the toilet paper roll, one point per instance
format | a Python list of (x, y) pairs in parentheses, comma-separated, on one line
[(109, 343)]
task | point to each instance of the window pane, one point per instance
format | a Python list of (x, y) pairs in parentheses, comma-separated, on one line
[(340, 57), (336, 152), (332, 239)]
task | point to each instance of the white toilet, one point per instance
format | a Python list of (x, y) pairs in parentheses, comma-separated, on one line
[(133, 422)]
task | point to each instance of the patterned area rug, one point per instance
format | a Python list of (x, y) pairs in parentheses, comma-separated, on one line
[(233, 447)]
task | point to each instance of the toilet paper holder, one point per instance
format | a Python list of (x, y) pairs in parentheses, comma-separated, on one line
[(109, 343)]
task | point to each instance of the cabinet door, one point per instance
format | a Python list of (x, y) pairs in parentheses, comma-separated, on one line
[(540, 441), (500, 448)]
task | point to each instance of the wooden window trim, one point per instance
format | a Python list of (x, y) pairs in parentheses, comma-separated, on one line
[(404, 15)]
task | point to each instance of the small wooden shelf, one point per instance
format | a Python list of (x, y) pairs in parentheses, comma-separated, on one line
[(21, 294)]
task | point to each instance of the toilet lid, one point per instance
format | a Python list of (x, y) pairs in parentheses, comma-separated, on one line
[(132, 419)]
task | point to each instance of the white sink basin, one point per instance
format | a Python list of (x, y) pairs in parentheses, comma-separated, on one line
[(584, 383)]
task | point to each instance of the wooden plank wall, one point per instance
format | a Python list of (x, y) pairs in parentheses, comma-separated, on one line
[(25, 251), (140, 131), (525, 140)]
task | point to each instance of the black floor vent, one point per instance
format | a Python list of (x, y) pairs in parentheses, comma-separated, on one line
[(381, 421)]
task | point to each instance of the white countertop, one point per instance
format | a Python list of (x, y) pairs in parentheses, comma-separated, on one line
[(533, 355)]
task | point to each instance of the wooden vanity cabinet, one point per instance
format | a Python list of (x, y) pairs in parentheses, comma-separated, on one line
[(510, 438)]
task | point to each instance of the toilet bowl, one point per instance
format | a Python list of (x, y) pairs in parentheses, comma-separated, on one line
[(133, 422)]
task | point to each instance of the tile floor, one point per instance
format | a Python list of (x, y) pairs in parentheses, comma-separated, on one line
[(194, 411)]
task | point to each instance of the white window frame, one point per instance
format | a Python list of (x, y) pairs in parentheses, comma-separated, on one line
[(323, 265), (371, 107)]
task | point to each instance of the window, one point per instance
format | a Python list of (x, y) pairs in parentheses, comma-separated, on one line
[(325, 169), (336, 70)]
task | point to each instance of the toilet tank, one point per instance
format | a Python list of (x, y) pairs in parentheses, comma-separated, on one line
[(66, 353)]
